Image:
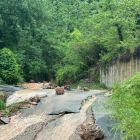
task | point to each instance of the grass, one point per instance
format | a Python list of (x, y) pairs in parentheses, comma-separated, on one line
[(8, 111), (92, 86), (90, 107), (125, 106), (85, 101), (2, 105), (2, 100), (13, 108)]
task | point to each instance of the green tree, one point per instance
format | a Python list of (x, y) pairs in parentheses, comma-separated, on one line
[(9, 69)]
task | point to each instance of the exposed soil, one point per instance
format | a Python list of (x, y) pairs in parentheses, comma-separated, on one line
[(34, 85), (64, 128), (55, 117)]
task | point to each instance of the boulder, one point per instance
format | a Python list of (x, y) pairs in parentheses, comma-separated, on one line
[(34, 100), (44, 87), (86, 89), (59, 90), (67, 87), (79, 88), (2, 115), (34, 103), (32, 81), (52, 87), (4, 120), (91, 131), (49, 87), (26, 94)]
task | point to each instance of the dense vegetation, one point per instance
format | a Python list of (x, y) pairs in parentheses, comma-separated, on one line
[(2, 101), (125, 106), (64, 40)]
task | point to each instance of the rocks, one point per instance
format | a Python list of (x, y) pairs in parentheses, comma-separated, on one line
[(49, 86), (26, 106), (4, 120), (91, 131), (26, 94), (67, 87), (59, 90), (34, 100), (79, 88), (2, 115), (39, 85), (86, 89), (32, 81), (44, 87), (34, 103)]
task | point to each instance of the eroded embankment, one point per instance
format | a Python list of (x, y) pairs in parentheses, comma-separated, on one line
[(63, 127), (36, 123), (43, 127)]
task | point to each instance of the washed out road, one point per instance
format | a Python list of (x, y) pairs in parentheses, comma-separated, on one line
[(62, 113)]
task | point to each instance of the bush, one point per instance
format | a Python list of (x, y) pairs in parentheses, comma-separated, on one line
[(3, 96), (2, 105), (9, 69), (125, 106), (1, 81), (66, 75)]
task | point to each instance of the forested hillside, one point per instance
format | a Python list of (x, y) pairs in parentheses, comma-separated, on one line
[(64, 40)]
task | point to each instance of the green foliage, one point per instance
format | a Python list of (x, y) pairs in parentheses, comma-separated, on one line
[(64, 39), (1, 81), (125, 106), (92, 85), (9, 70), (13, 108), (99, 86), (2, 105), (67, 74), (8, 111), (2, 99), (3, 96)]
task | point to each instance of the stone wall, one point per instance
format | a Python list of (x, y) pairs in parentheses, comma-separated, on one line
[(119, 71)]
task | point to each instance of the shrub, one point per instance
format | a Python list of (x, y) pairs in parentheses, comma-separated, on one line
[(3, 96), (66, 74), (2, 105), (125, 106), (9, 69), (1, 81)]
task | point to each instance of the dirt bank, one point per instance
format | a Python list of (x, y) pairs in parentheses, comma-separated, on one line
[(63, 127)]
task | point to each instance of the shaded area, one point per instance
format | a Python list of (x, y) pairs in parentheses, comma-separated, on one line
[(102, 118), (56, 104), (10, 88)]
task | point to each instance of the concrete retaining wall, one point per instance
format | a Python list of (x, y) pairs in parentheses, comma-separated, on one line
[(119, 71)]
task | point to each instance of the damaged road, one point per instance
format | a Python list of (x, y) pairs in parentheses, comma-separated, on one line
[(55, 117), (57, 104), (102, 118)]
